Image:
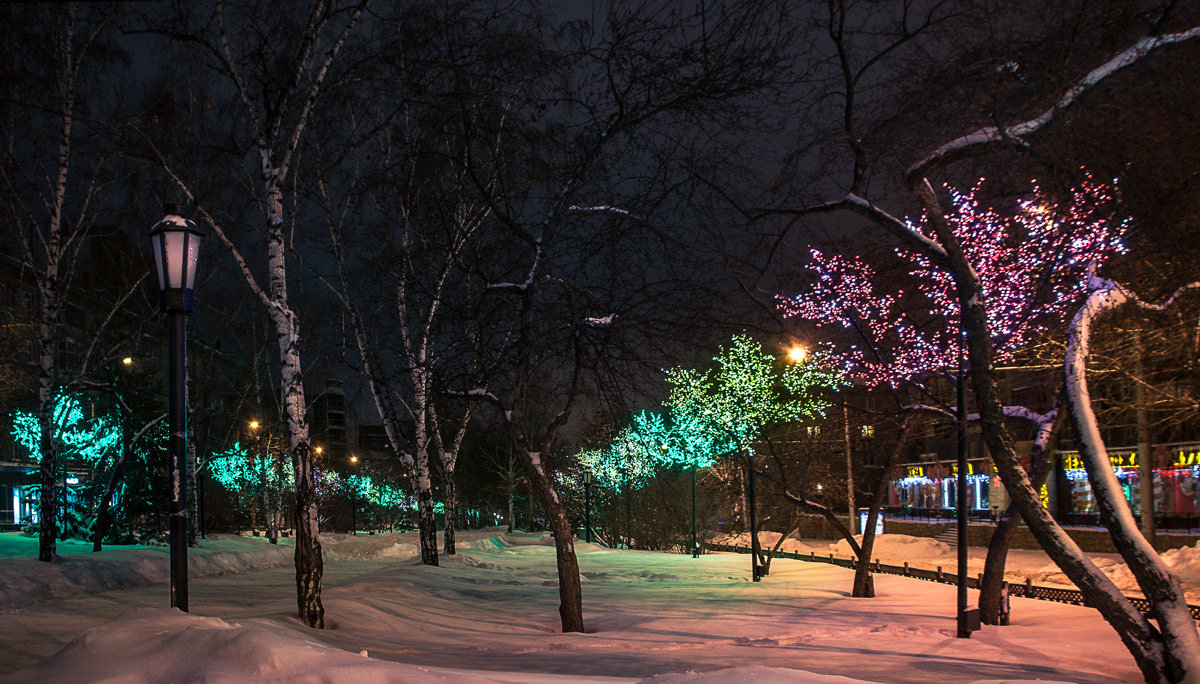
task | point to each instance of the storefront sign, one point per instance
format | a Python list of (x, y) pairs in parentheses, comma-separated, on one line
[(1179, 455)]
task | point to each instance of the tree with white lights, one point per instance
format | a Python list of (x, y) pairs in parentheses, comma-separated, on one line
[(730, 406)]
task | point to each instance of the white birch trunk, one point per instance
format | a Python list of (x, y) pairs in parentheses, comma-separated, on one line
[(1179, 637)]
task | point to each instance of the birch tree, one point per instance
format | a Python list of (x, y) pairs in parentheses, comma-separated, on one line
[(52, 180), (277, 78)]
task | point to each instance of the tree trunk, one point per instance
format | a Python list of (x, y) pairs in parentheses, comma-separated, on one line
[(193, 500), (570, 592), (991, 588), (309, 564), (426, 518), (48, 440), (1157, 653), (864, 582), (451, 513), (1176, 643), (510, 508), (103, 507)]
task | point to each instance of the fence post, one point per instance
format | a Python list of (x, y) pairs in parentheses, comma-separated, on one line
[(1028, 588), (940, 576), (876, 565), (906, 568)]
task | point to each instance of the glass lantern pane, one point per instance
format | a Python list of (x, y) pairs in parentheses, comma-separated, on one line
[(156, 247), (193, 255), (174, 242)]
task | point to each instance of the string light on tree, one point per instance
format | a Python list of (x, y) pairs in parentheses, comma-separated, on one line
[(1032, 268)]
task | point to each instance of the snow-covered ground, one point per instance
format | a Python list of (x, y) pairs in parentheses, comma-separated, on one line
[(489, 614)]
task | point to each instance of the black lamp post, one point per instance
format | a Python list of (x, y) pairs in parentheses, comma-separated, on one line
[(587, 506), (176, 244), (967, 618), (695, 546)]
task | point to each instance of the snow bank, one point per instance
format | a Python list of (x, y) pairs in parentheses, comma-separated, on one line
[(755, 673), (78, 571), (149, 646), (897, 549), (889, 548), (1184, 562)]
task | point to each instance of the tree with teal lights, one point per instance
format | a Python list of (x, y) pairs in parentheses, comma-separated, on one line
[(92, 437), (260, 479)]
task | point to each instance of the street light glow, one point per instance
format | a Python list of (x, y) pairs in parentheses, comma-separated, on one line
[(127, 360), (254, 425), (797, 354), (319, 450), (353, 459)]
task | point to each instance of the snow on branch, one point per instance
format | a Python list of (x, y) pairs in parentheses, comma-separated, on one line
[(604, 209), (517, 287), (599, 322), (993, 134), (919, 242), (482, 394)]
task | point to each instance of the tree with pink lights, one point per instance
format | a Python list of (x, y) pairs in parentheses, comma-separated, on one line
[(1032, 265), (983, 274)]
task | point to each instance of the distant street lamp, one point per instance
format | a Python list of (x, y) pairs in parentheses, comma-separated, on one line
[(353, 502), (176, 245), (587, 506)]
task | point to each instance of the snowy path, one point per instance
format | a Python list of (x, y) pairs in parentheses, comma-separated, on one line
[(495, 609)]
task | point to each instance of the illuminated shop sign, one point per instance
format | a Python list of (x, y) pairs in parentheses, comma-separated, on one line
[(1179, 456)]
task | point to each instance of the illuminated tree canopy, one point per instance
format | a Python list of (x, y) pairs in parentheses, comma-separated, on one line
[(236, 470), (713, 412), (1032, 267), (726, 408), (93, 440)]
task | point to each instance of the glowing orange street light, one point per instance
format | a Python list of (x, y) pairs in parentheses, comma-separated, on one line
[(354, 459), (254, 425), (319, 450), (797, 354), (127, 360)]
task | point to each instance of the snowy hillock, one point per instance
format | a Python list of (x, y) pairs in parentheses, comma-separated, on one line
[(164, 645), (23, 579), (897, 549)]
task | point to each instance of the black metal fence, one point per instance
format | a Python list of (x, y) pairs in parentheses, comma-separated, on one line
[(1026, 590)]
